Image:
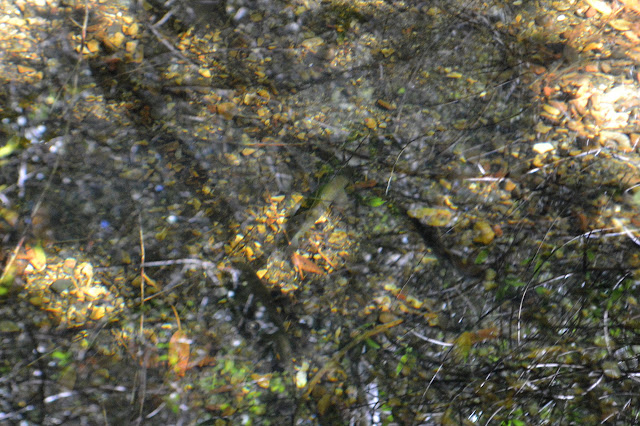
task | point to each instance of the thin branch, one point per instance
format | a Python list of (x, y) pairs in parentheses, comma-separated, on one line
[(430, 340)]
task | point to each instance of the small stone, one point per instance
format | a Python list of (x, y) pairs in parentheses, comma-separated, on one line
[(92, 46), (116, 40), (97, 313), (132, 30), (61, 285)]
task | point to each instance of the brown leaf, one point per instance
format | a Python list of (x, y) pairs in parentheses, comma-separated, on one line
[(486, 334), (179, 352), (301, 263)]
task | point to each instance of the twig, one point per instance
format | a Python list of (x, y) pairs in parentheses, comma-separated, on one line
[(169, 46), (143, 371), (325, 368), (165, 18), (204, 264), (430, 340), (142, 274), (605, 320)]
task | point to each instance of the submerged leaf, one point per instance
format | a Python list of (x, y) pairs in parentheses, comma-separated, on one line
[(462, 345), (302, 263), (376, 202), (481, 257), (37, 257), (8, 326), (432, 216), (10, 146), (179, 347), (484, 233), (611, 369), (372, 344)]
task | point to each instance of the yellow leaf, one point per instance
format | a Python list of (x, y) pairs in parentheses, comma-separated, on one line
[(551, 110), (11, 146), (484, 233), (600, 6), (620, 25), (542, 128), (25, 70), (226, 109), (387, 52), (11, 216), (324, 403), (592, 46)]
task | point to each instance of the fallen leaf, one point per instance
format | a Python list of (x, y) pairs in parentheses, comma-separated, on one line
[(603, 7), (462, 345), (10, 146), (542, 128), (629, 4), (8, 326), (28, 70), (620, 24), (551, 110), (301, 263), (179, 347), (37, 257), (484, 233), (486, 334), (432, 216), (226, 109), (364, 184), (67, 377)]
